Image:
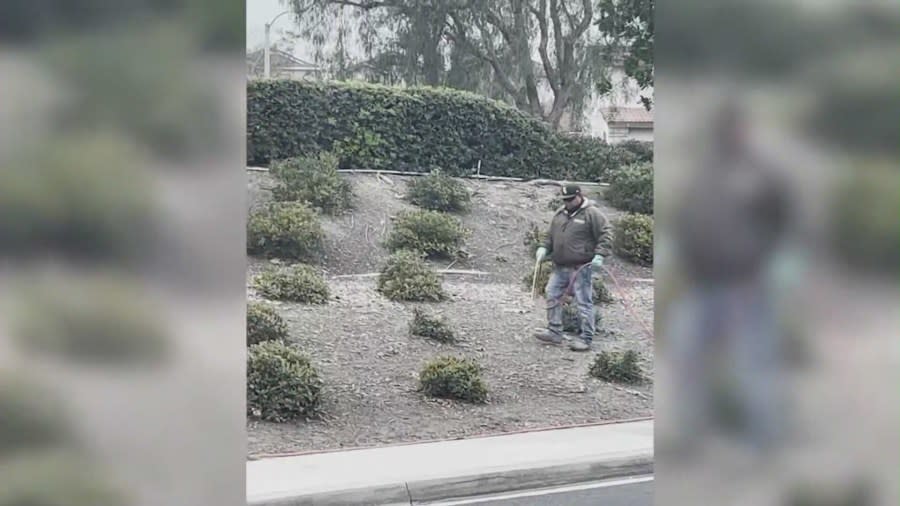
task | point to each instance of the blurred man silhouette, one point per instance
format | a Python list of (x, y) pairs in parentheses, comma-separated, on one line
[(723, 336)]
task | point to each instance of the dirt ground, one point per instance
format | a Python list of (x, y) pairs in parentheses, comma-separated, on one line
[(361, 344)]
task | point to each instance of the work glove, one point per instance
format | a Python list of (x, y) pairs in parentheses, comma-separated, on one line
[(540, 254), (597, 262)]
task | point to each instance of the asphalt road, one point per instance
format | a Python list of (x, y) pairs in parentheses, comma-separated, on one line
[(636, 491)]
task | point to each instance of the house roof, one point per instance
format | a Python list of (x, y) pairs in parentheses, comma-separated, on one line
[(628, 115), (279, 60)]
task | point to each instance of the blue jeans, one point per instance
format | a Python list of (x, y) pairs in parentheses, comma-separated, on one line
[(584, 298), (731, 328)]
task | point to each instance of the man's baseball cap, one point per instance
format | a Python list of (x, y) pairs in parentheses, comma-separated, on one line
[(570, 191)]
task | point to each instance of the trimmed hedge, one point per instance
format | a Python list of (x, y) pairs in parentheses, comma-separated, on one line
[(631, 189), (414, 129), (633, 238)]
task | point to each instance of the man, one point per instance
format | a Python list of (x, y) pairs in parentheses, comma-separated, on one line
[(578, 240)]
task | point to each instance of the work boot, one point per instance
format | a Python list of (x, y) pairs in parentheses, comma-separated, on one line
[(579, 344), (549, 337)]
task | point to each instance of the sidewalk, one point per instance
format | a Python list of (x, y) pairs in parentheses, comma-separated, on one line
[(415, 474)]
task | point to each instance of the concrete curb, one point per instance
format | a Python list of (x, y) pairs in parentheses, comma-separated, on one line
[(424, 491)]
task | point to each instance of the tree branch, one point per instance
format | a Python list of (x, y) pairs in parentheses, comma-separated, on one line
[(541, 16), (458, 36)]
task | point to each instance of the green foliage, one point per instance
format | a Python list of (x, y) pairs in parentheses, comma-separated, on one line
[(377, 127), (572, 319), (543, 277), (406, 277), (453, 378), (282, 384), (264, 324), (297, 283), (32, 417), (633, 238), (84, 196), (641, 151), (54, 478), (431, 327), (314, 180), (430, 232), (618, 367), (865, 224), (285, 230), (534, 239), (90, 319), (631, 189), (439, 192)]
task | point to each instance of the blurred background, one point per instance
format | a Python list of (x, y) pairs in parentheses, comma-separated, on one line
[(778, 228), (121, 267)]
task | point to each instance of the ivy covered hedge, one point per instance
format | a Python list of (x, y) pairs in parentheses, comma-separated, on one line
[(414, 129)]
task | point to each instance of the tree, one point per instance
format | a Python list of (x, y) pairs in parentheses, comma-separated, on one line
[(628, 28), (507, 34), (399, 39)]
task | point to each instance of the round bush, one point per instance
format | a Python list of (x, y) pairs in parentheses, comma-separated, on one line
[(264, 324), (84, 197), (90, 319), (439, 192), (430, 232), (572, 320), (631, 189), (617, 367), (282, 384), (633, 238), (297, 283), (453, 378), (314, 180), (54, 478), (406, 277), (32, 417), (865, 221), (288, 230), (431, 327)]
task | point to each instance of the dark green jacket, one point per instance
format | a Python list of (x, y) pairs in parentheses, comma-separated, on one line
[(575, 238)]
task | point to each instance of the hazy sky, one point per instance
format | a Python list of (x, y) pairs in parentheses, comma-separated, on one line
[(259, 12)]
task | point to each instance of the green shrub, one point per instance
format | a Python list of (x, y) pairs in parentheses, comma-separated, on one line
[(288, 230), (431, 327), (617, 367), (439, 192), (534, 239), (633, 238), (453, 378), (631, 189), (55, 478), (865, 221), (297, 283), (282, 384), (572, 320), (264, 324), (314, 180), (600, 291), (413, 129), (32, 417), (90, 319), (642, 151), (406, 277), (430, 232), (82, 197)]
